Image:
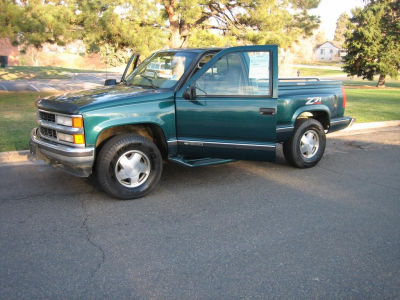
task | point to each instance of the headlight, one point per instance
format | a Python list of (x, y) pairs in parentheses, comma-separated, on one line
[(76, 122), (71, 138), (65, 137), (63, 120)]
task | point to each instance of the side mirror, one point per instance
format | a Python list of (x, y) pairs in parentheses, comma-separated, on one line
[(110, 82), (190, 93)]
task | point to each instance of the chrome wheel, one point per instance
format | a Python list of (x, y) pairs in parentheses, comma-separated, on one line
[(132, 168), (306, 146), (309, 144)]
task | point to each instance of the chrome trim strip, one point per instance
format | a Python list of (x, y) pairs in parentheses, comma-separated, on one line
[(173, 142), (284, 129), (57, 140), (61, 128), (340, 121), (59, 114), (191, 143), (39, 134), (60, 149), (225, 144)]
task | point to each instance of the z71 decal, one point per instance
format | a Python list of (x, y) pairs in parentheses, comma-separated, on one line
[(313, 100)]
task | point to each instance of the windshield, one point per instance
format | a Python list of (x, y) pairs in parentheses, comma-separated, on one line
[(161, 70)]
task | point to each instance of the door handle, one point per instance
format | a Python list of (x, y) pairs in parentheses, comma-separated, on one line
[(267, 111)]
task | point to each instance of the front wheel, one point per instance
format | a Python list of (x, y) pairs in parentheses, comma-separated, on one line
[(129, 166), (307, 145)]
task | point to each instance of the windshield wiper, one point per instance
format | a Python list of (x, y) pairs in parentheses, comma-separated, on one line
[(150, 80)]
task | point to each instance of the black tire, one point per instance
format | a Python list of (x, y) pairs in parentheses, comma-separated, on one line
[(123, 146), (292, 148)]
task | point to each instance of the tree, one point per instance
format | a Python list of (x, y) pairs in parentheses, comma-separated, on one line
[(372, 41), (251, 21), (9, 13), (114, 27), (341, 28), (35, 22), (108, 27)]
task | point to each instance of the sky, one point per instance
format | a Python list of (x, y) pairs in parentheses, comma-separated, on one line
[(330, 10)]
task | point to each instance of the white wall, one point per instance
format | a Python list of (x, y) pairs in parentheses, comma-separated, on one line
[(328, 52)]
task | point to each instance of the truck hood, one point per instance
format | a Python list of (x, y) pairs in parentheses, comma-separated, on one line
[(72, 103)]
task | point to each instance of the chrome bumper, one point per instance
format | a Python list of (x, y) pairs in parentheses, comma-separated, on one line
[(77, 161), (340, 123)]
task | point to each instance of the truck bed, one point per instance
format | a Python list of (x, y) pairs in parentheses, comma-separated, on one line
[(296, 95)]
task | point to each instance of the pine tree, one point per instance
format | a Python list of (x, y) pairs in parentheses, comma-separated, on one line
[(341, 28), (113, 27), (245, 21), (372, 41), (35, 22)]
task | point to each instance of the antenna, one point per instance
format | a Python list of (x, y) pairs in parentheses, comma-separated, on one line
[(106, 64)]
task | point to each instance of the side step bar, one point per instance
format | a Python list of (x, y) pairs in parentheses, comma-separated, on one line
[(199, 162)]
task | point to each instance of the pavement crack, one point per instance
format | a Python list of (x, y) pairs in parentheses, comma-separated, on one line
[(89, 238)]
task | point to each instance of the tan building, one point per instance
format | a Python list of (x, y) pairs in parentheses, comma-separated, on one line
[(6, 49)]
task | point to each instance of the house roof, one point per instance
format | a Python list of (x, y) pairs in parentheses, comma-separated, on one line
[(333, 43)]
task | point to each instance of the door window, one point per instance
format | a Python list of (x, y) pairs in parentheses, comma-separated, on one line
[(258, 73), (237, 74), (205, 59), (225, 77)]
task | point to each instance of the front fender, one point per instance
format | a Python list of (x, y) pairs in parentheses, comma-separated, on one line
[(123, 122), (146, 113)]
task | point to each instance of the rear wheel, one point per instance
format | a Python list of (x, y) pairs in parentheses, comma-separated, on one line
[(307, 145), (129, 166)]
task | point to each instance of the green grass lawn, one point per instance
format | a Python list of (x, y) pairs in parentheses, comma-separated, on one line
[(17, 119), (357, 82), (373, 105), (314, 72), (18, 111), (321, 63), (24, 72)]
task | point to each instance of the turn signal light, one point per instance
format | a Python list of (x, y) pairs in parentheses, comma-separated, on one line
[(37, 101), (79, 139), (77, 122), (344, 97)]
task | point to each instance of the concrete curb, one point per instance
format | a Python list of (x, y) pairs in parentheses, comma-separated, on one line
[(358, 128), (371, 125), (16, 157)]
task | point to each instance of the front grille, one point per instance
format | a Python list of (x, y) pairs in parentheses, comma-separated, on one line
[(45, 116), (47, 132)]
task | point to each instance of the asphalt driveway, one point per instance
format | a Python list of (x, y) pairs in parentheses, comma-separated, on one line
[(78, 81), (241, 230)]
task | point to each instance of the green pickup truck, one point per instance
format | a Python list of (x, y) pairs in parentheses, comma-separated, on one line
[(201, 107)]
